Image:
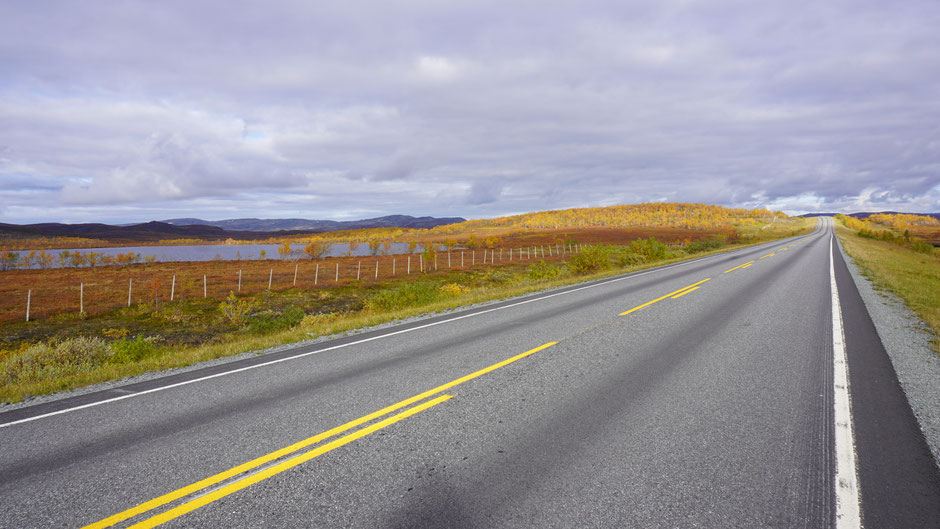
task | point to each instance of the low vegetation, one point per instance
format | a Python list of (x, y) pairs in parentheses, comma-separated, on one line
[(69, 350), (896, 264)]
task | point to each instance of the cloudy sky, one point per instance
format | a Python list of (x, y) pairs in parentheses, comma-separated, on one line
[(124, 111)]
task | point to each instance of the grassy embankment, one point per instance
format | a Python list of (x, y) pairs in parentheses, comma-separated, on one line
[(914, 276), (125, 342)]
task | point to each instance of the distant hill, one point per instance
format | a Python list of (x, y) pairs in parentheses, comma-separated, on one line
[(149, 231), (245, 229), (866, 214), (390, 221)]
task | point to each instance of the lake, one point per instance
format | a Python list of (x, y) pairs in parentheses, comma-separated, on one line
[(212, 252)]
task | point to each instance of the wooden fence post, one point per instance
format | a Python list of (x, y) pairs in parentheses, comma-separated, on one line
[(448, 258), (461, 259), (337, 272), (358, 270), (173, 288), (205, 286), (81, 298), (408, 271), (376, 269), (393, 266), (130, 286), (239, 280), (316, 274), (29, 297), (296, 266), (270, 278)]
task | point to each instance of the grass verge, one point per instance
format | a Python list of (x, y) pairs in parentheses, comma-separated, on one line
[(912, 276)]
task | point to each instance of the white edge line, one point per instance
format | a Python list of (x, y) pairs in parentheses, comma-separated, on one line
[(364, 340), (846, 481)]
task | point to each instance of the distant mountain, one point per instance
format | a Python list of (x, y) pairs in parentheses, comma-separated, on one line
[(865, 214), (390, 221)]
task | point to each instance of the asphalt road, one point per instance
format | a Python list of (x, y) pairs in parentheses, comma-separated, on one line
[(711, 407)]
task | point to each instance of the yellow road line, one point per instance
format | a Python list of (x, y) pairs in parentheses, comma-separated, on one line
[(255, 463), (746, 266), (248, 481), (768, 255), (749, 263), (679, 295), (648, 303)]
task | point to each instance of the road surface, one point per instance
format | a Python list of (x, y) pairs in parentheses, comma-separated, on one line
[(709, 393)]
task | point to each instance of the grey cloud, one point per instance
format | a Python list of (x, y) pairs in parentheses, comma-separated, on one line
[(413, 106)]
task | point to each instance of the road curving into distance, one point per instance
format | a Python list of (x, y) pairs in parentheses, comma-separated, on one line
[(700, 394)]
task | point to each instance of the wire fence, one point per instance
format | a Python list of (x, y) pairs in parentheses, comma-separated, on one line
[(39, 294)]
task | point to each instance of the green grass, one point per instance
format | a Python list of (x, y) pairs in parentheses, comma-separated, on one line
[(68, 352), (911, 275)]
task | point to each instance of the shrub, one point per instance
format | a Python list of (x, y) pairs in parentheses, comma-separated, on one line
[(921, 246), (703, 246), (542, 271), (46, 361), (270, 321), (403, 296), (125, 350), (453, 289), (590, 259), (628, 258), (651, 249), (235, 309)]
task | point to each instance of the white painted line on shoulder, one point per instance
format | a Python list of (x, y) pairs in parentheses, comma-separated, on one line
[(386, 335), (846, 480)]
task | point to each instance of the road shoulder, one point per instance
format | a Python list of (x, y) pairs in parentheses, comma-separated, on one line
[(906, 338)]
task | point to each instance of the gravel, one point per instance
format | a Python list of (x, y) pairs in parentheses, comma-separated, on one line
[(907, 339)]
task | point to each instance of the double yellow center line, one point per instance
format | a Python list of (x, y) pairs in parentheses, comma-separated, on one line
[(681, 292), (260, 475)]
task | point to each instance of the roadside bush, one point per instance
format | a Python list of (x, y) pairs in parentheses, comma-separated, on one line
[(270, 321), (703, 246), (236, 309), (542, 271), (49, 360), (125, 350), (591, 259), (407, 295), (922, 247), (453, 289), (651, 249), (628, 258)]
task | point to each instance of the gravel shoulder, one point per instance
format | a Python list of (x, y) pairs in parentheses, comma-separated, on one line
[(907, 339)]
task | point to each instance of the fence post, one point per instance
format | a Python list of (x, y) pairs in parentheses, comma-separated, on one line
[(393, 266), (409, 266), (81, 298), (473, 258), (239, 280), (29, 297), (448, 258), (130, 286), (173, 288), (205, 286), (316, 274), (421, 261), (461, 259), (376, 269), (435, 261), (337, 272), (270, 277), (358, 270), (296, 266)]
